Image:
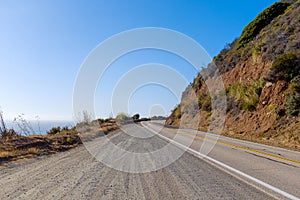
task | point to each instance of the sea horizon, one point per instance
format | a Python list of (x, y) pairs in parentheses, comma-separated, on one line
[(38, 127)]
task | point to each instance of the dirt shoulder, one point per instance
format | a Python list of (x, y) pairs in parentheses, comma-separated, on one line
[(22, 147)]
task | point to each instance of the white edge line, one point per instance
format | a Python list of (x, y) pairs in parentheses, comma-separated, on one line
[(277, 190), (227, 139)]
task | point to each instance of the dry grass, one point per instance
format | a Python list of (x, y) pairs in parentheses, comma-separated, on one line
[(21, 147), (4, 154)]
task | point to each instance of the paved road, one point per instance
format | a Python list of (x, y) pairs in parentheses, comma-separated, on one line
[(274, 166), (78, 175)]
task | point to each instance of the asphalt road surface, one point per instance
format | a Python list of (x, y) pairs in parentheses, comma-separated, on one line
[(76, 174)]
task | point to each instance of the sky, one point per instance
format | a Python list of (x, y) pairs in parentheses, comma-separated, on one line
[(44, 43)]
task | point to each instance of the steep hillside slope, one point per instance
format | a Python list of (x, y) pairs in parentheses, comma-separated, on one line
[(261, 75)]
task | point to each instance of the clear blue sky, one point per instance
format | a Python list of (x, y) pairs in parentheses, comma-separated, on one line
[(44, 42)]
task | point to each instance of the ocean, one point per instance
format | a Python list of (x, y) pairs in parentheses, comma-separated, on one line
[(38, 127)]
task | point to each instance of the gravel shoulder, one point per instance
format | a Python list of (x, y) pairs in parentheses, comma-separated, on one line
[(75, 174)]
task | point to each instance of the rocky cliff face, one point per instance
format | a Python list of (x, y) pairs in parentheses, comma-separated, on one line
[(261, 76)]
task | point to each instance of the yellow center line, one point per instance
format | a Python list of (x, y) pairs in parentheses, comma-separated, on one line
[(240, 147)]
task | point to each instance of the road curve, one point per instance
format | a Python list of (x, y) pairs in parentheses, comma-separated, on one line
[(276, 169), (76, 174)]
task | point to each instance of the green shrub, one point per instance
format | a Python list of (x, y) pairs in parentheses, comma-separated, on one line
[(204, 102), (285, 67), (136, 117), (122, 117), (177, 112), (198, 82), (208, 114), (100, 121), (54, 130), (250, 103), (261, 21), (292, 104), (65, 128), (246, 95)]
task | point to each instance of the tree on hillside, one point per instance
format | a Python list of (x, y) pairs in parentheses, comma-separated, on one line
[(136, 116), (122, 117)]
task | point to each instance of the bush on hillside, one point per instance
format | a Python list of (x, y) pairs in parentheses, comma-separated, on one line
[(261, 21), (204, 102), (246, 95), (292, 104), (177, 112), (54, 130), (123, 117), (158, 118), (136, 117), (285, 67), (198, 82)]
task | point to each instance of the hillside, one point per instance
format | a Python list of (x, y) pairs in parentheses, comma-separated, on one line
[(261, 75)]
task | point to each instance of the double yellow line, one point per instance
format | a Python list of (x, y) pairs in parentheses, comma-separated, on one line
[(241, 148)]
